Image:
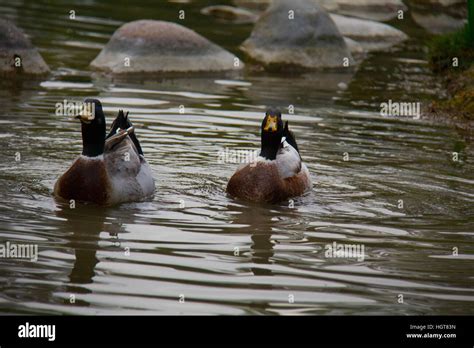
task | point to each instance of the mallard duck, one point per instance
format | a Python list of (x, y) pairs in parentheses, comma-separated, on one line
[(111, 169), (278, 173)]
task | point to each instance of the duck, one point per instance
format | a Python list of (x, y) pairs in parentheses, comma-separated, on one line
[(277, 173), (112, 168)]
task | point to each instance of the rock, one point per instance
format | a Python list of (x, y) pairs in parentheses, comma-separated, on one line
[(256, 5), (230, 13), (438, 23), (439, 16), (373, 36), (356, 49), (442, 2), (343, 86), (308, 40), (147, 46), (328, 5), (17, 54), (377, 10), (262, 5), (454, 8)]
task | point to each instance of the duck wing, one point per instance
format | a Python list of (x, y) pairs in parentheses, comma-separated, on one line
[(121, 156), (288, 160), (113, 141)]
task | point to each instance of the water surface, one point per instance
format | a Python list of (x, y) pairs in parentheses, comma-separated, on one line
[(191, 241)]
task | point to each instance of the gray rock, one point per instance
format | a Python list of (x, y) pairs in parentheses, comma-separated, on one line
[(256, 5), (230, 13), (442, 2), (356, 49), (147, 46), (377, 10), (439, 16), (328, 5), (373, 36), (17, 54), (438, 23), (262, 5), (309, 41)]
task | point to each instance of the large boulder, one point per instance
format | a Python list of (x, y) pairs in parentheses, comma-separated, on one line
[(439, 23), (373, 36), (377, 10), (147, 46), (17, 54), (297, 34), (439, 16)]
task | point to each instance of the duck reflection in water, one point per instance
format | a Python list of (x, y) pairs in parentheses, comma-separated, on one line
[(259, 221), (85, 222)]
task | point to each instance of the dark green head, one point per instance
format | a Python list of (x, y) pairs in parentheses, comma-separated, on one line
[(93, 128), (271, 133)]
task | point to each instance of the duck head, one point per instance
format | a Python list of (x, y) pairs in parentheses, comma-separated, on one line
[(271, 134), (93, 128)]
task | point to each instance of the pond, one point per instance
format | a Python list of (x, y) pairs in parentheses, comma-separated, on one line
[(388, 184)]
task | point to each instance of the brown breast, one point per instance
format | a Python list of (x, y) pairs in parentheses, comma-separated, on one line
[(256, 182), (261, 182), (86, 180)]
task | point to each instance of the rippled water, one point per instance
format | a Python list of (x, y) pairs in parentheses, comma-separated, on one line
[(192, 240)]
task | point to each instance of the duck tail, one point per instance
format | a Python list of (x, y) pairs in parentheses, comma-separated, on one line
[(136, 143), (290, 137), (122, 122), (119, 123), (134, 138)]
